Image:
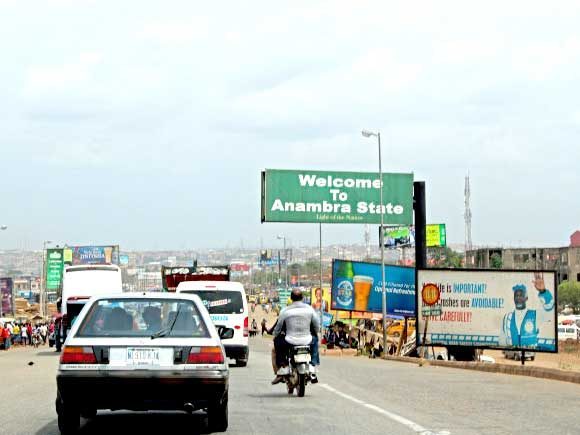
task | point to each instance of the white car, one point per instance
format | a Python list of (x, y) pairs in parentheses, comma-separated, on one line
[(227, 306), (143, 351)]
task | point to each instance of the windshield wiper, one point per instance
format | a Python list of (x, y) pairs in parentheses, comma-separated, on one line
[(167, 330)]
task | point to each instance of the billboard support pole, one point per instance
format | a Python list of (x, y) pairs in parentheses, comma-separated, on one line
[(420, 237), (321, 291), (420, 222)]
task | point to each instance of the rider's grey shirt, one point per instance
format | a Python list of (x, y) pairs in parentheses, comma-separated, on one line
[(298, 316)]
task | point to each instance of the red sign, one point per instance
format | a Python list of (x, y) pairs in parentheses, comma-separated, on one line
[(240, 267)]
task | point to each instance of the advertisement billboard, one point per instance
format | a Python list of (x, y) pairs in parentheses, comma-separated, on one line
[(357, 286), (320, 298), (77, 255), (436, 235), (336, 197), (395, 236), (6, 285), (54, 267), (504, 309)]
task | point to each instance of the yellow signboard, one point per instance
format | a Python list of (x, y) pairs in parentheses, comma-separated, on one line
[(436, 235)]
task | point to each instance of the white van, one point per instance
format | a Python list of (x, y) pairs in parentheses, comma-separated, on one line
[(227, 306), (568, 332), (79, 284)]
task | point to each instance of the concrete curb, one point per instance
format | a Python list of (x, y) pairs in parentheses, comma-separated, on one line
[(535, 372)]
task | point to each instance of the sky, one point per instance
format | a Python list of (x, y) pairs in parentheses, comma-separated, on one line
[(146, 124)]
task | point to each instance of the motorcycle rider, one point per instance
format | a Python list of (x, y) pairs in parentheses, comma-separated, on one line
[(301, 324)]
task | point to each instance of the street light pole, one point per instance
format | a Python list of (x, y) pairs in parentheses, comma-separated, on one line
[(280, 236), (367, 133)]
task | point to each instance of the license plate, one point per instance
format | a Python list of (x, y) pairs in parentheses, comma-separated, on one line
[(143, 356), (302, 358)]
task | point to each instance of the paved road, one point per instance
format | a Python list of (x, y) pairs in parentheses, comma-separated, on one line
[(356, 395)]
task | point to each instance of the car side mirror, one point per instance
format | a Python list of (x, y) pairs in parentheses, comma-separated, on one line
[(225, 333)]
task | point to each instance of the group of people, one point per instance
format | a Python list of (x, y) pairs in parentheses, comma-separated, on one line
[(24, 334), (339, 335)]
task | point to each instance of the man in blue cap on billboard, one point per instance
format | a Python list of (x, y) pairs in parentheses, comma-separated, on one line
[(521, 327)]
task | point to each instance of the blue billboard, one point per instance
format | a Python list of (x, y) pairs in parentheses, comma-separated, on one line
[(358, 286), (77, 255)]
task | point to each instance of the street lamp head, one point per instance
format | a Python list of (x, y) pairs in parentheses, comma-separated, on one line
[(280, 236), (367, 133), (3, 227)]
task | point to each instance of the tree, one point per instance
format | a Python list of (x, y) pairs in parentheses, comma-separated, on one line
[(495, 261), (569, 294), (446, 258)]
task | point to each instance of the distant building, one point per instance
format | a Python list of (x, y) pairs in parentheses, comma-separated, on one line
[(565, 261)]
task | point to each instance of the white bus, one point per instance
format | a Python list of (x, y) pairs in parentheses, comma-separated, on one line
[(79, 284)]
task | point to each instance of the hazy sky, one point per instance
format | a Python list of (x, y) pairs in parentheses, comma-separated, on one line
[(147, 123)]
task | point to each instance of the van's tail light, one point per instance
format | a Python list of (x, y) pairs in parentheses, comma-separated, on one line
[(206, 355), (246, 333), (78, 355)]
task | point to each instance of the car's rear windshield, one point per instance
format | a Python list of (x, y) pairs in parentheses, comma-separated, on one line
[(220, 301), (143, 318)]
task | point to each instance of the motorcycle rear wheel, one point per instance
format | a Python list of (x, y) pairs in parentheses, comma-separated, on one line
[(301, 385)]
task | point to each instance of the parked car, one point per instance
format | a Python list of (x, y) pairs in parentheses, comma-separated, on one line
[(517, 354), (147, 351), (395, 329)]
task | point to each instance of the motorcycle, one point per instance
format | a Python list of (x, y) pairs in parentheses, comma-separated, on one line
[(299, 363)]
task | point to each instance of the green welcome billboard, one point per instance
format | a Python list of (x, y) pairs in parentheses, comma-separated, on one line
[(336, 197)]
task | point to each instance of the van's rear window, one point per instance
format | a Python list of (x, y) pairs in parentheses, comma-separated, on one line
[(220, 301)]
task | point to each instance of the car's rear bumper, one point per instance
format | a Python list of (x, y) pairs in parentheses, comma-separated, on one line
[(236, 351), (141, 390)]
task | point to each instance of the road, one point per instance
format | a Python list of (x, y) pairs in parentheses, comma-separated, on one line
[(355, 395)]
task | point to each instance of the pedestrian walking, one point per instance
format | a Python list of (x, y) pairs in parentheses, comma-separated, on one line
[(5, 334), (29, 333), (43, 332), (16, 334), (23, 335), (264, 329)]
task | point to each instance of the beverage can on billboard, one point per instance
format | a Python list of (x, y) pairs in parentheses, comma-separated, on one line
[(344, 287)]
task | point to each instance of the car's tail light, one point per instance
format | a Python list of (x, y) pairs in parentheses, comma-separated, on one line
[(206, 355), (78, 355), (246, 333)]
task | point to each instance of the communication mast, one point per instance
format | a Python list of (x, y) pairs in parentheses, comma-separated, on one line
[(467, 215)]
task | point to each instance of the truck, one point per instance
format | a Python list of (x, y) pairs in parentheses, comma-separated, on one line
[(79, 284), (171, 276)]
